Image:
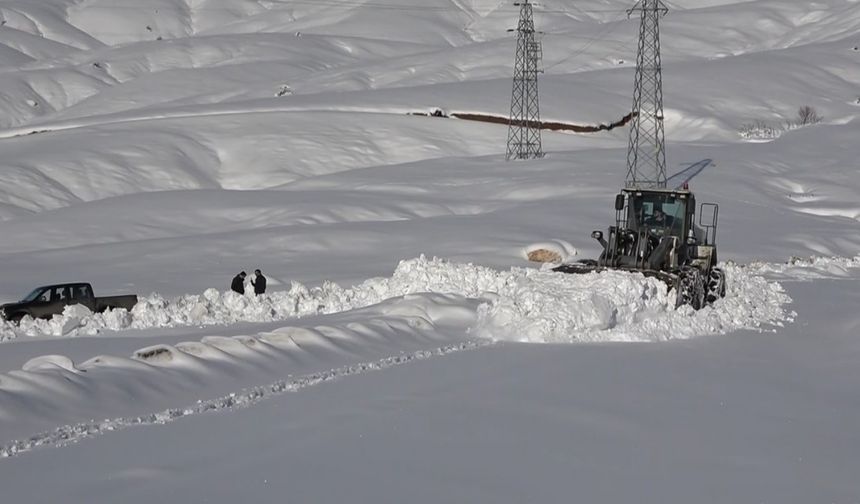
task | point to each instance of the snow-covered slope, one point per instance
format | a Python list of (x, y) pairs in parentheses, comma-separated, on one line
[(242, 95), (161, 147)]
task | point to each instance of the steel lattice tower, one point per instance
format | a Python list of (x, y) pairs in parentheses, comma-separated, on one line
[(646, 152), (524, 130)]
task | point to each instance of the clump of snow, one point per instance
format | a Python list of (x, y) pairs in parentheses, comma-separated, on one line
[(521, 304), (760, 131)]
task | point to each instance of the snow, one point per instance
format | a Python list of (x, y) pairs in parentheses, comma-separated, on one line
[(392, 333), (707, 420), (159, 149), (522, 304)]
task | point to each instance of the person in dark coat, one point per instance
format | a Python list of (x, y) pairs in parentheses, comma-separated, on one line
[(259, 282), (238, 284)]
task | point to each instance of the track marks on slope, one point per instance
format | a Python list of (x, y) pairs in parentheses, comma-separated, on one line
[(393, 333), (73, 433)]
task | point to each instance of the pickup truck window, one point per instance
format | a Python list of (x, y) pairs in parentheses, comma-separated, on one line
[(38, 294), (82, 292)]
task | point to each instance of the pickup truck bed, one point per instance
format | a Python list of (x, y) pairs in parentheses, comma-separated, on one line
[(113, 302)]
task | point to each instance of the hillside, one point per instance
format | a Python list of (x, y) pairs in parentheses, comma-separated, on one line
[(161, 147), (112, 105)]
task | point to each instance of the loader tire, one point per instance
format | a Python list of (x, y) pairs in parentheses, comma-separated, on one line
[(691, 288), (716, 285)]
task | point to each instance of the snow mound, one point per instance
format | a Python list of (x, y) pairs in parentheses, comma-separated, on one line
[(521, 304), (546, 307), (67, 434), (810, 268)]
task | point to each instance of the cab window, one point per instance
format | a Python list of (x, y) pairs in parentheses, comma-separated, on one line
[(39, 294), (82, 292), (659, 213)]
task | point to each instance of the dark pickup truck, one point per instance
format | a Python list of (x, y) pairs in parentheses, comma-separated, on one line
[(49, 300)]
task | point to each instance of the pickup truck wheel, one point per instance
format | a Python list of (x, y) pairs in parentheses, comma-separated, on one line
[(16, 318)]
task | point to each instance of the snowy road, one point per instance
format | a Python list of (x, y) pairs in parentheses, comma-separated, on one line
[(773, 414)]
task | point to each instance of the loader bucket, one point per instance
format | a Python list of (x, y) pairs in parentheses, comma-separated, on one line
[(590, 266)]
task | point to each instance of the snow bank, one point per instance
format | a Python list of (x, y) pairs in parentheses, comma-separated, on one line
[(807, 268), (545, 307), (521, 304)]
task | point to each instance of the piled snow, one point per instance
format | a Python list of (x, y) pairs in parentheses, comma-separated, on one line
[(521, 304), (545, 307)]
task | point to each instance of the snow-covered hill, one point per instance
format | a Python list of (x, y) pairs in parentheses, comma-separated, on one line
[(161, 147), (102, 116)]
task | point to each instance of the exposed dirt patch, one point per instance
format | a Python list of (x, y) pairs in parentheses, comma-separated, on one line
[(547, 125), (544, 256), (154, 354)]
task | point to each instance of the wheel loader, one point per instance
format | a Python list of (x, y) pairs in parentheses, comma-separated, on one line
[(656, 234)]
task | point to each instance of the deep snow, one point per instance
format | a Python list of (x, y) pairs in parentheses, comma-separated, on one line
[(744, 417), (161, 148), (521, 304)]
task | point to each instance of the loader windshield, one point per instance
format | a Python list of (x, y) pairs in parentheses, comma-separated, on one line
[(658, 213)]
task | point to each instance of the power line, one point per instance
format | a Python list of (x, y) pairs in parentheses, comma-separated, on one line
[(357, 4), (382, 5), (607, 30)]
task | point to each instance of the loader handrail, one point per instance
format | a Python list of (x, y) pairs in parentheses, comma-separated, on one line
[(710, 229)]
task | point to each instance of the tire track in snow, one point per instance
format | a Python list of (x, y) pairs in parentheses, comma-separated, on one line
[(191, 112), (73, 433)]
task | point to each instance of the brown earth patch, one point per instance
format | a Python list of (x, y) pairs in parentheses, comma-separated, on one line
[(544, 256), (547, 125)]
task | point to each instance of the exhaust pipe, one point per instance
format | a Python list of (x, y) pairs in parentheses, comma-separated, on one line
[(598, 235)]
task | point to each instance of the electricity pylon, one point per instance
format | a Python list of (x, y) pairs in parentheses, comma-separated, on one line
[(524, 130), (646, 152)]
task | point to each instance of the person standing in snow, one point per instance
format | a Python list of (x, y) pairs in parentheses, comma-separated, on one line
[(259, 282), (238, 284)]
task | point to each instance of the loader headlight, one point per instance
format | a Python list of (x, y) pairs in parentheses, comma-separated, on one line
[(597, 235)]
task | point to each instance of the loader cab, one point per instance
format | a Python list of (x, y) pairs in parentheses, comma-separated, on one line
[(655, 234), (659, 212)]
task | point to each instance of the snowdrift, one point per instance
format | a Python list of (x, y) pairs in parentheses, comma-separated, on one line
[(521, 304), (52, 390)]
